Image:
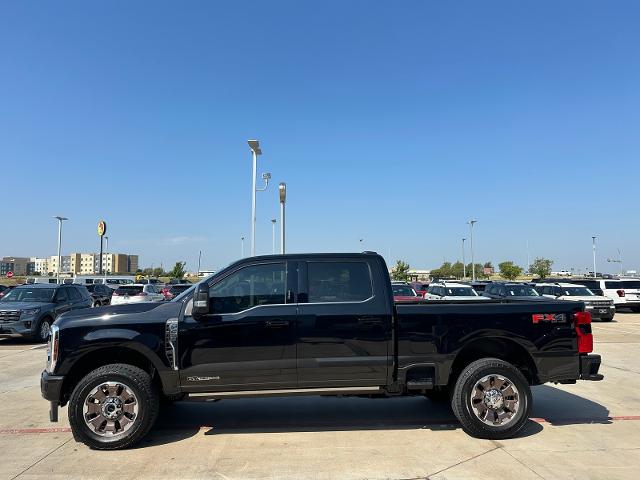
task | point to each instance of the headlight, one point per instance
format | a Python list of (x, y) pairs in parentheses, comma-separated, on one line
[(29, 312), (52, 348)]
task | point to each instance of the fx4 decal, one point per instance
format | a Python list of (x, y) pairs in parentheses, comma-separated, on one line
[(548, 317)]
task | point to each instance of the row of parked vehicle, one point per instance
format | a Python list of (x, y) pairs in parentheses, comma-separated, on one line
[(601, 296), (30, 309)]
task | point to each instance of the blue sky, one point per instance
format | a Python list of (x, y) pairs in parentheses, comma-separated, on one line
[(394, 122)]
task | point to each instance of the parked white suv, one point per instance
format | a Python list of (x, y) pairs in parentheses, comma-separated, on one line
[(136, 293), (600, 307), (631, 288), (611, 288), (452, 291)]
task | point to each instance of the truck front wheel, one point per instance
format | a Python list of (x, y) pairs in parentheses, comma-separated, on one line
[(491, 399), (113, 407)]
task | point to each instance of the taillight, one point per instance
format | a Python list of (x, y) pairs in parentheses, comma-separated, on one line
[(583, 331), (620, 293), (115, 294)]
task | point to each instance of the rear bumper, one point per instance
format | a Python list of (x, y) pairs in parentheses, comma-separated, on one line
[(589, 366)]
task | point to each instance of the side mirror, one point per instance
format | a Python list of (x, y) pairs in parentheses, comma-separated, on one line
[(200, 300)]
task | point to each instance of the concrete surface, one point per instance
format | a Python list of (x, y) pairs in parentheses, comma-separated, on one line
[(586, 431)]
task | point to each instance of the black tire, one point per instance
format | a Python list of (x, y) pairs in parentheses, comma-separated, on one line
[(461, 402), (39, 335), (439, 395), (166, 400), (96, 304), (606, 319), (138, 382)]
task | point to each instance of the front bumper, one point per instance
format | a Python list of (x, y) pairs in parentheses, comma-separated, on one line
[(19, 327), (589, 366), (51, 389), (601, 312)]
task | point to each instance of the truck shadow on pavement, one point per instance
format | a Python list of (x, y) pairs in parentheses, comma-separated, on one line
[(558, 407), (313, 413)]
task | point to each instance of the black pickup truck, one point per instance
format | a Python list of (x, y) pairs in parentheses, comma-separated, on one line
[(322, 324)]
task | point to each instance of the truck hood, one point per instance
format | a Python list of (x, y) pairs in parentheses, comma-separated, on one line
[(10, 306), (120, 314)]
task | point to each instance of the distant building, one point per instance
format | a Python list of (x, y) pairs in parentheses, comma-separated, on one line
[(89, 263), (20, 266), (40, 265)]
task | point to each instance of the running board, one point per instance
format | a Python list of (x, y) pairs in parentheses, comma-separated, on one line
[(209, 396)]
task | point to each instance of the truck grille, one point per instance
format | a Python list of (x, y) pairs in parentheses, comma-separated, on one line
[(9, 316), (600, 304)]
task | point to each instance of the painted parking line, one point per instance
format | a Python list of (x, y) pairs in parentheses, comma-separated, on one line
[(27, 431), (617, 330)]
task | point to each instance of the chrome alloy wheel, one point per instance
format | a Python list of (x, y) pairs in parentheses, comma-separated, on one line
[(45, 328), (110, 409), (495, 400)]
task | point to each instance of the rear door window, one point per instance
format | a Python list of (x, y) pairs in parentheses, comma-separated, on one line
[(613, 285), (74, 294), (631, 284), (331, 282)]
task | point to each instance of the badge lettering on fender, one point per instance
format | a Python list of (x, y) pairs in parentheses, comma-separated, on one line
[(548, 317), (202, 379)]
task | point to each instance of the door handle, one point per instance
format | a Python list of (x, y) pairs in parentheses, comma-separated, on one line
[(369, 321), (277, 323)]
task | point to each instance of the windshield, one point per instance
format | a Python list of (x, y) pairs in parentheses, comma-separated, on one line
[(26, 294), (403, 291), (521, 291), (577, 292), (460, 292), (129, 290)]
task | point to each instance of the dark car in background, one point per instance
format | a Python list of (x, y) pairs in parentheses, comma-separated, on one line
[(30, 310), (100, 294), (4, 290), (403, 293), (171, 291), (512, 291)]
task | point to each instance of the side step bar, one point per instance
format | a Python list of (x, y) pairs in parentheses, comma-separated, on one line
[(209, 396)]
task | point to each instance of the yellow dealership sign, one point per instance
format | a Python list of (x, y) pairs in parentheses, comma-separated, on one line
[(102, 228)]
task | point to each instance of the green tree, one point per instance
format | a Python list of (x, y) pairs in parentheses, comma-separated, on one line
[(444, 271), (541, 267), (479, 271), (147, 271), (178, 270), (158, 272), (510, 270), (401, 271), (457, 270)]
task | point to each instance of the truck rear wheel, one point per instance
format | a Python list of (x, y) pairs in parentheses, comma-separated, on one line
[(113, 407), (491, 399)]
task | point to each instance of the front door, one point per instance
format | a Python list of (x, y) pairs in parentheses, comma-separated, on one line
[(344, 325), (248, 341)]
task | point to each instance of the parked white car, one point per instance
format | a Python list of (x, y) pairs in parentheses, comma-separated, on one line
[(631, 288), (452, 291), (600, 307), (136, 293)]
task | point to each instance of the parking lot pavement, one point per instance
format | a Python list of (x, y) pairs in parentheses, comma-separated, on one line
[(589, 430)]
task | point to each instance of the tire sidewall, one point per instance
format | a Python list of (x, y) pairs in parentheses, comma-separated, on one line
[(36, 335), (92, 439), (462, 397)]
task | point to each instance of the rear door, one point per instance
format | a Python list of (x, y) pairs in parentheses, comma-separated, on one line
[(344, 323)]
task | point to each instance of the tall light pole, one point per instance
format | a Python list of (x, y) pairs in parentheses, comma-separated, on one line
[(199, 260), (106, 252), (528, 258), (282, 191), (594, 255), (242, 247), (273, 236), (60, 220), (464, 265), (473, 263), (254, 145)]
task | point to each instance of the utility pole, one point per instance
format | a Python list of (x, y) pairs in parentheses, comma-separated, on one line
[(242, 247), (594, 255), (473, 263), (199, 260), (464, 265), (60, 220), (282, 190), (273, 236), (254, 145)]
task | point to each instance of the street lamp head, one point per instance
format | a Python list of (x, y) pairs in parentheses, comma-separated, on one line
[(61, 218), (254, 145), (273, 220), (471, 222), (282, 188), (266, 177)]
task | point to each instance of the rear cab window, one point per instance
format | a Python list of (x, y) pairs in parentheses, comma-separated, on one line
[(339, 281), (129, 290)]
